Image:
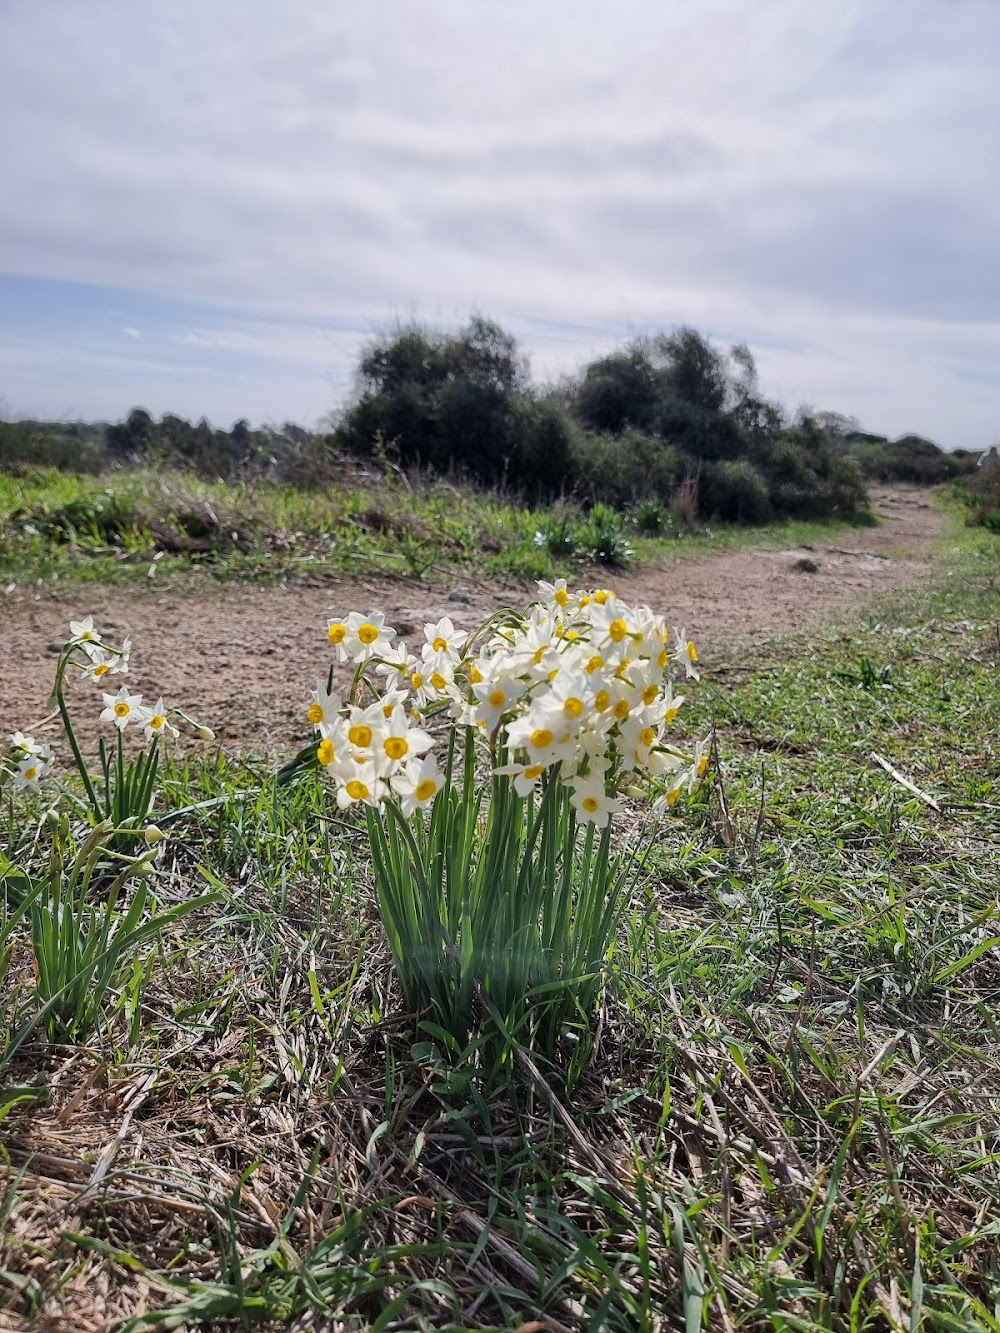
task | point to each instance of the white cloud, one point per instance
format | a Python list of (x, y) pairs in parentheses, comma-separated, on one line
[(808, 173)]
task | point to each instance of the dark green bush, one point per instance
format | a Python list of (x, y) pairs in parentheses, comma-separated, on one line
[(621, 469), (734, 491)]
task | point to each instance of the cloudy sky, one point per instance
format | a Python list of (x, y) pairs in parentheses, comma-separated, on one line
[(207, 207)]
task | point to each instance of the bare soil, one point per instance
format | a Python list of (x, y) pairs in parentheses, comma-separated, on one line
[(243, 658)]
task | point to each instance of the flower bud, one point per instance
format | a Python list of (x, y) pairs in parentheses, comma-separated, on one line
[(154, 834), (143, 869), (635, 793), (206, 734)]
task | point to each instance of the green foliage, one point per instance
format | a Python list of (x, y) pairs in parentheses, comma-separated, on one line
[(84, 936), (602, 539), (735, 491), (619, 470), (910, 458), (651, 517)]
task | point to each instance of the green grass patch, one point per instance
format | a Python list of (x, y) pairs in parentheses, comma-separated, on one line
[(128, 524)]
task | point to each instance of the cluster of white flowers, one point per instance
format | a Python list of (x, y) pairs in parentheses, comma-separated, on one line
[(33, 760), (123, 707), (579, 686), (101, 660)]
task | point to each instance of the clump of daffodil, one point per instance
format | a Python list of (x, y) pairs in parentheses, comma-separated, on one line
[(556, 716)]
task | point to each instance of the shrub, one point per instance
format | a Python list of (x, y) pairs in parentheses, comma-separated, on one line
[(735, 491), (622, 469), (651, 517), (601, 538)]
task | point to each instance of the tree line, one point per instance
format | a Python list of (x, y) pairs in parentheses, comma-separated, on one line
[(662, 413)]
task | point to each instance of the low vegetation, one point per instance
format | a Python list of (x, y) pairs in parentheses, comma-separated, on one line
[(788, 1119), (130, 524)]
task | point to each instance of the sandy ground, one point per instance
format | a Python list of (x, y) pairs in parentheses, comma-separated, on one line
[(244, 658)]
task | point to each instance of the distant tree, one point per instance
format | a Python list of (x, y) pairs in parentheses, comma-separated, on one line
[(133, 437), (240, 433), (618, 392)]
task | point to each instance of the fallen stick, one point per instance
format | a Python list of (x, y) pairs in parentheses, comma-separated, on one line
[(896, 776)]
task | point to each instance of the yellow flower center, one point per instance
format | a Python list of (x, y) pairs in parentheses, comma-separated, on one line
[(622, 668), (585, 600), (534, 771), (356, 790), (590, 804), (602, 700), (561, 597), (670, 714), (662, 660), (475, 676), (600, 597), (649, 694), (692, 651), (440, 645), (416, 680), (30, 774), (324, 752), (647, 736), (101, 669), (574, 707), (617, 631), (315, 714), (336, 633), (620, 709), (157, 722), (426, 789), (438, 681), (88, 636), (395, 747), (593, 665), (702, 765), (672, 796), (539, 654), (541, 737), (387, 710), (367, 632), (122, 709), (361, 736), (553, 673), (497, 698)]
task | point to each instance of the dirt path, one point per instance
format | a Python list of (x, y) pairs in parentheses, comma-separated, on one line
[(244, 658)]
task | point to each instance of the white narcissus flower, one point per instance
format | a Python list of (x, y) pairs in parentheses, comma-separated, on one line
[(524, 776), (32, 768), (334, 749), (398, 742), (27, 744), (83, 630), (688, 654), (119, 665), (364, 729), (154, 720), (122, 708), (417, 784), (363, 786), (554, 594), (397, 664), (592, 803), (496, 696), (100, 665), (443, 637), (324, 707)]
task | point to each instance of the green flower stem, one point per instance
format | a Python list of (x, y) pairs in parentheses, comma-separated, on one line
[(64, 714)]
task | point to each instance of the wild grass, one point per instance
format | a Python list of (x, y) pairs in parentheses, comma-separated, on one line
[(792, 1121), (132, 524)]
